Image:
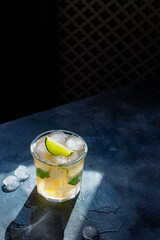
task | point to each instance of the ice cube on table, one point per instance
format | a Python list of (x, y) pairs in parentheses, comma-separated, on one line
[(58, 136), (22, 173), (11, 183), (75, 143)]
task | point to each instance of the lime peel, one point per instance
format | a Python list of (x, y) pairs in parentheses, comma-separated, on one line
[(56, 148)]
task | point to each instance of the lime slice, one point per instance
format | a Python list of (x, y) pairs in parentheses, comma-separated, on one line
[(56, 148)]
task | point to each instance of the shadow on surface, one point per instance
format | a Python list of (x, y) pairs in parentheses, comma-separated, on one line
[(39, 219)]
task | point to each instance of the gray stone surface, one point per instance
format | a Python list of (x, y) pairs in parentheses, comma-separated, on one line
[(120, 193)]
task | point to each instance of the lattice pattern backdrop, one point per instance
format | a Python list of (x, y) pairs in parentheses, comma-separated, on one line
[(106, 43)]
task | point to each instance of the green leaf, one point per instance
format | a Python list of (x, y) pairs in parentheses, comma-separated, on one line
[(63, 167), (76, 179), (42, 174)]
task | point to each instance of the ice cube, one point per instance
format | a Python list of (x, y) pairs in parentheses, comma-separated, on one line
[(75, 143), (74, 156), (60, 160), (11, 183), (41, 149), (22, 173), (58, 136), (57, 175)]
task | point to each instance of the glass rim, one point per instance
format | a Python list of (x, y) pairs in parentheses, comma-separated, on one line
[(34, 154)]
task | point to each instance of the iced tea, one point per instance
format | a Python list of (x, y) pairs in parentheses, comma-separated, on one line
[(59, 177)]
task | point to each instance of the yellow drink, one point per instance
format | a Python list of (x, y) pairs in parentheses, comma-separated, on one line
[(59, 178)]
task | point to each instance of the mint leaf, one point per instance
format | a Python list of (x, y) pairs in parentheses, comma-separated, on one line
[(42, 174), (76, 179), (63, 167)]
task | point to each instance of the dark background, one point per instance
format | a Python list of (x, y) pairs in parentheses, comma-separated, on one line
[(54, 52)]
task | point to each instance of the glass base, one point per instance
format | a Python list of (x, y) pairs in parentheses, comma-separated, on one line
[(55, 199)]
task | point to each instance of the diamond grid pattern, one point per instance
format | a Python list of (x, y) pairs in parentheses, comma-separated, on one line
[(105, 44)]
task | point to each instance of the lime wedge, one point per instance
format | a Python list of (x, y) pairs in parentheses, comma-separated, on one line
[(56, 148)]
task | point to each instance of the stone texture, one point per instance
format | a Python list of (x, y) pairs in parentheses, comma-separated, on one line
[(121, 181)]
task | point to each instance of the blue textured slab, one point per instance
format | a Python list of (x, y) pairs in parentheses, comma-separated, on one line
[(121, 182)]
